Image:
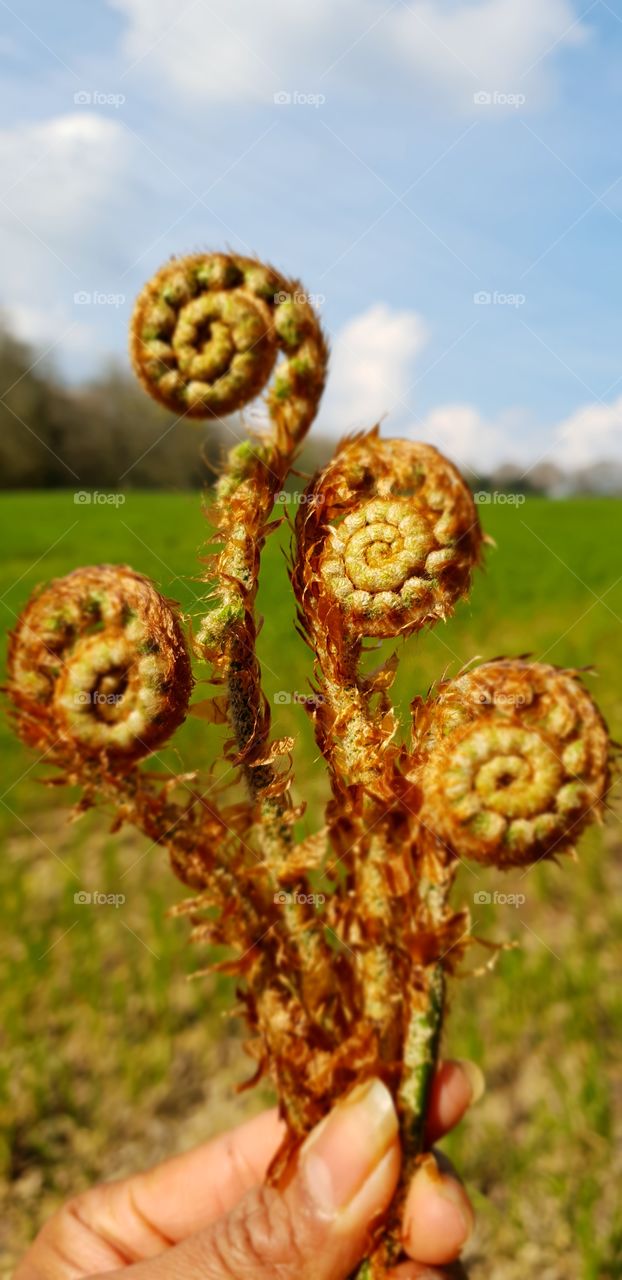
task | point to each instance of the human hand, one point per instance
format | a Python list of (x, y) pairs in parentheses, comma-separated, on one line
[(207, 1214)]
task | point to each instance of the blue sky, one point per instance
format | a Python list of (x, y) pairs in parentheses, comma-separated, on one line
[(426, 154)]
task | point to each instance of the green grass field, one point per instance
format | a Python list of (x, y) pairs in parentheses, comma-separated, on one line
[(112, 1058)]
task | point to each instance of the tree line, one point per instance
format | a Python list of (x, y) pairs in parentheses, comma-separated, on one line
[(103, 434), (107, 434)]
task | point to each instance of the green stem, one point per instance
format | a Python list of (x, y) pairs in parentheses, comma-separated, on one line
[(421, 1047), (420, 1058)]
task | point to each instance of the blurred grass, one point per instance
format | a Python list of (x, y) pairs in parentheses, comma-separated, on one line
[(113, 1059)]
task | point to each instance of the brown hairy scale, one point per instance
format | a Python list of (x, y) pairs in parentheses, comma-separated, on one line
[(507, 763)]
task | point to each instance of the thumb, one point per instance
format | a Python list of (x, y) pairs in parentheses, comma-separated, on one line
[(318, 1226)]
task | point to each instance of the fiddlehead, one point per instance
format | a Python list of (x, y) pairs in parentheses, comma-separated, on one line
[(387, 539), (514, 762), (205, 336), (98, 666), (99, 677), (403, 537)]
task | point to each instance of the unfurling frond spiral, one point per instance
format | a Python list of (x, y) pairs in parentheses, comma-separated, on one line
[(98, 664), (514, 762), (388, 538), (206, 333)]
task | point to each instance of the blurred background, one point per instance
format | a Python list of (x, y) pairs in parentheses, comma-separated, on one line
[(445, 178)]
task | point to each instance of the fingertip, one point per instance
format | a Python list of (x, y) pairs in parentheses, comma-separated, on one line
[(438, 1217), (376, 1194), (475, 1077), (457, 1085)]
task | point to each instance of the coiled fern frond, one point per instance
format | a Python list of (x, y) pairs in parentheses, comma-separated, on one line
[(514, 762), (98, 665)]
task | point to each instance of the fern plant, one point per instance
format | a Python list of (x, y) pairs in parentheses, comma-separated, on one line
[(506, 763)]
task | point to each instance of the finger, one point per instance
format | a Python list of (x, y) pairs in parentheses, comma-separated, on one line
[(457, 1085), (438, 1216), (117, 1223), (189, 1191), (318, 1226)]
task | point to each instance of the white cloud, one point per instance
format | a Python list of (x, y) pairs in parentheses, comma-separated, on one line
[(371, 367), (65, 184), (373, 371), (447, 48), (57, 173), (45, 326), (462, 433), (233, 54), (503, 46), (592, 433)]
